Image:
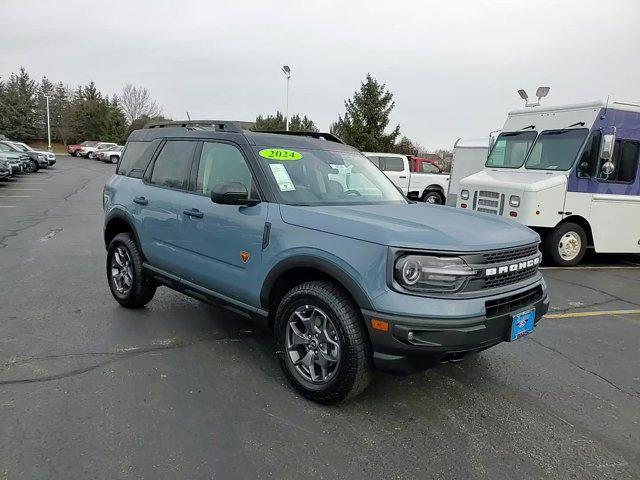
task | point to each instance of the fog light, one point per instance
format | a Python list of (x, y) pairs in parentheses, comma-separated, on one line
[(514, 201), (464, 194)]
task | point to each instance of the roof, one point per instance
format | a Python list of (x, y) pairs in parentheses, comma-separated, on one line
[(634, 107), (472, 143)]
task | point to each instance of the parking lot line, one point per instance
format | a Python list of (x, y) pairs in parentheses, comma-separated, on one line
[(15, 196), (592, 314), (27, 189), (7, 206)]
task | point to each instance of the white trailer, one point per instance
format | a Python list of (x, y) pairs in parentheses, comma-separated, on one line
[(569, 172), (469, 157)]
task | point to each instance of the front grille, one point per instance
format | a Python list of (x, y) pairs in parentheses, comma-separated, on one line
[(486, 201), (509, 278), (506, 255), (504, 305)]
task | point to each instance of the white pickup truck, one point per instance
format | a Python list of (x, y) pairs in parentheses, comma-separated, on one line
[(418, 178)]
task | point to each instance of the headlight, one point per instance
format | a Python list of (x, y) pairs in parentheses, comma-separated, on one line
[(464, 194), (422, 273), (514, 201)]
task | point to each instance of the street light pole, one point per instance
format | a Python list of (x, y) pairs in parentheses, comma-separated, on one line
[(287, 71), (48, 124)]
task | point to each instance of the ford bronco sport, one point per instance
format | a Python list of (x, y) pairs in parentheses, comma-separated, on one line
[(304, 232)]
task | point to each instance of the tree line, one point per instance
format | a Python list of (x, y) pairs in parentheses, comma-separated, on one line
[(83, 113)]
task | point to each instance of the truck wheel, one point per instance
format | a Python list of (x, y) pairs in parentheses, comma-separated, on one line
[(566, 244), (322, 343), (114, 159), (126, 280), (434, 197)]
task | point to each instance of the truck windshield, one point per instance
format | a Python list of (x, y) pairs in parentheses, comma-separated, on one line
[(556, 149), (510, 149), (321, 177)]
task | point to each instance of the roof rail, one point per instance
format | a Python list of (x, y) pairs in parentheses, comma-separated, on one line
[(330, 137), (218, 125)]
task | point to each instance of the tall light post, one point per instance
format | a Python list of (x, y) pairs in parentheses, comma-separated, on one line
[(287, 72), (48, 124)]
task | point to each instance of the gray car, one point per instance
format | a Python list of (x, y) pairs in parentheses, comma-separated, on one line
[(49, 156), (38, 160)]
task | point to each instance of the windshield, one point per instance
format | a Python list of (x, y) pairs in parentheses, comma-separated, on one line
[(556, 149), (89, 144), (22, 147), (8, 147), (510, 149), (321, 177)]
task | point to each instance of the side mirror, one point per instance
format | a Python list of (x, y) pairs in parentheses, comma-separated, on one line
[(606, 149), (608, 168), (232, 193)]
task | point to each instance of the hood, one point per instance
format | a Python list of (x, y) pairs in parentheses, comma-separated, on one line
[(515, 180), (414, 225)]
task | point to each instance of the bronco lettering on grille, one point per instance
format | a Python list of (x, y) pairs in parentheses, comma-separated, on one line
[(513, 267)]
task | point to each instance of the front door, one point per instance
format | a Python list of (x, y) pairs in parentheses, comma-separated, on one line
[(397, 170), (226, 240)]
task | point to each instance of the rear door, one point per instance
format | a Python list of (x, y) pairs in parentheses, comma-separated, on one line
[(397, 169)]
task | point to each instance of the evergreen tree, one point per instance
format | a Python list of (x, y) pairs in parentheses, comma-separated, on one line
[(277, 122), (115, 122), (367, 117), (18, 104)]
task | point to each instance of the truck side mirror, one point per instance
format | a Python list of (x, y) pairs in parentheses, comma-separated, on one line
[(608, 168), (606, 149)]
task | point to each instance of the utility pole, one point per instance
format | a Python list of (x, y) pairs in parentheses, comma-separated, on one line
[(287, 72), (48, 124)]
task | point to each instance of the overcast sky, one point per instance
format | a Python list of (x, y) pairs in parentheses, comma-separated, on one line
[(453, 66)]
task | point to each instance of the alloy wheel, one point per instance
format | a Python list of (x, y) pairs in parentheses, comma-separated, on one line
[(313, 345), (122, 270)]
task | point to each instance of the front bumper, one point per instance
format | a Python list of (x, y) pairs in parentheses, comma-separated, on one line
[(15, 169), (51, 161), (434, 340)]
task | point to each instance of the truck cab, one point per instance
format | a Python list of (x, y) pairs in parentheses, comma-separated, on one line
[(418, 179), (568, 172)]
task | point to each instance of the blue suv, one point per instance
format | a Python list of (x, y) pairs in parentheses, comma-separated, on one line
[(305, 233)]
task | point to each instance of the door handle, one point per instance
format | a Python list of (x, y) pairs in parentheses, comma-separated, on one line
[(403, 176), (193, 212), (141, 201)]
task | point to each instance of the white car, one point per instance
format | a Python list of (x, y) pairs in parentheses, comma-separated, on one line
[(110, 155), (89, 152), (429, 184)]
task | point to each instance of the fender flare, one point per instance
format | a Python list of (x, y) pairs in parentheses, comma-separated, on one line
[(120, 214), (321, 264)]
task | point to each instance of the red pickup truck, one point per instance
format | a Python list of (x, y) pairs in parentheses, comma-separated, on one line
[(73, 149)]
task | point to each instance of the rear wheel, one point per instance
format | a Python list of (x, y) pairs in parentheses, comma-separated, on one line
[(566, 244), (126, 279), (74, 154), (31, 167), (114, 159), (434, 197), (321, 342)]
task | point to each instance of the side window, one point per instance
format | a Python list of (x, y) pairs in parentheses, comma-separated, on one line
[(429, 168), (221, 163), (375, 161), (392, 164), (625, 159), (173, 165), (588, 164), (134, 160)]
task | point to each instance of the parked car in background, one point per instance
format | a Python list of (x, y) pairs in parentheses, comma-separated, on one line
[(38, 158), (50, 156), (5, 170), (111, 155), (73, 149), (18, 161), (427, 187), (469, 156), (89, 152)]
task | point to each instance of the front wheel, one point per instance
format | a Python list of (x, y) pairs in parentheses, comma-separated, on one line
[(114, 159), (322, 343), (433, 197), (566, 244), (31, 167), (128, 285)]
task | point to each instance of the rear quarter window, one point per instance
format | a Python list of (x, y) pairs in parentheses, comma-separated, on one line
[(135, 159)]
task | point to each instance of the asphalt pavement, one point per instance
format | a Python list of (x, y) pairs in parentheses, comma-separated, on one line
[(181, 389)]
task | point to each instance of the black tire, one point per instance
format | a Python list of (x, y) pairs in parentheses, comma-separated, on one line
[(433, 197), (33, 167), (563, 232), (73, 154), (142, 289), (114, 159), (354, 369)]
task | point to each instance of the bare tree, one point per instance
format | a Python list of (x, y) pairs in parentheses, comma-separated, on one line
[(136, 102)]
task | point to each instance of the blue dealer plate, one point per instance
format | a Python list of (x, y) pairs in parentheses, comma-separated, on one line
[(522, 324)]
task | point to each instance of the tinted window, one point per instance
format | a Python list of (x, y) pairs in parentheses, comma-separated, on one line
[(625, 160), (588, 164), (375, 161), (134, 161), (510, 149), (173, 165), (392, 164), (221, 163)]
